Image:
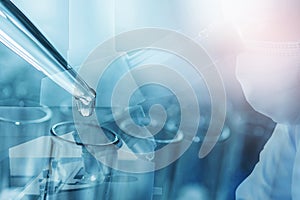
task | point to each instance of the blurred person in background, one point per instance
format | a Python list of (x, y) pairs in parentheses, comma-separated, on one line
[(268, 70)]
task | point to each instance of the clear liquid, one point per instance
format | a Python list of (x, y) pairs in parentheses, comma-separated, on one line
[(85, 106)]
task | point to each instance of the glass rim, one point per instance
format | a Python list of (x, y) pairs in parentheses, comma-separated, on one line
[(115, 141), (47, 113), (178, 137)]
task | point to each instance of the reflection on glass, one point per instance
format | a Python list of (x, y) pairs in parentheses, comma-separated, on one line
[(82, 156), (20, 121)]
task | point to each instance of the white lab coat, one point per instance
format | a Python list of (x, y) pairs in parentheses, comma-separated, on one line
[(277, 174)]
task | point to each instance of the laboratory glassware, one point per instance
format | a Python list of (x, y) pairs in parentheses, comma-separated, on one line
[(163, 178), (130, 182), (81, 162), (19, 34), (144, 149), (20, 122)]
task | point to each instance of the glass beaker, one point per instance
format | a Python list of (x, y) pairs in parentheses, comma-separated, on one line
[(131, 182), (163, 178), (167, 136), (202, 175), (20, 121), (83, 156)]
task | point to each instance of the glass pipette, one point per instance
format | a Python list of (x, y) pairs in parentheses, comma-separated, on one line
[(19, 34)]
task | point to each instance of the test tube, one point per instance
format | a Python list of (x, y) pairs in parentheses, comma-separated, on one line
[(19, 34)]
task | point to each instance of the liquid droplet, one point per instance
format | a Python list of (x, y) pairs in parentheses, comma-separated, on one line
[(85, 106)]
